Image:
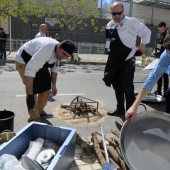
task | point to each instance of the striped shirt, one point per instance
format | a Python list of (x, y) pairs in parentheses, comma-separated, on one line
[(162, 66)]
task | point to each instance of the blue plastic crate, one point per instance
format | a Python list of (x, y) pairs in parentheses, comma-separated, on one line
[(65, 137)]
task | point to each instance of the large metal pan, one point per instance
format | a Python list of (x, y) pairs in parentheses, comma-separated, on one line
[(145, 142)]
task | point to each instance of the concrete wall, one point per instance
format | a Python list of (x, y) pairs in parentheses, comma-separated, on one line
[(21, 30)]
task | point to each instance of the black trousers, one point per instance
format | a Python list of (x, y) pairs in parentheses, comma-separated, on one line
[(3, 51), (165, 80), (124, 87)]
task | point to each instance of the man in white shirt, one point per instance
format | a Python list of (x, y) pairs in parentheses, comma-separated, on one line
[(33, 60), (121, 35), (42, 31)]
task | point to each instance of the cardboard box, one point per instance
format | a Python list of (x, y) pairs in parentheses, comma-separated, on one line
[(65, 137)]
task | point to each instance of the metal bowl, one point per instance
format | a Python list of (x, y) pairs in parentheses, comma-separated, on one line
[(145, 142), (152, 97), (6, 135)]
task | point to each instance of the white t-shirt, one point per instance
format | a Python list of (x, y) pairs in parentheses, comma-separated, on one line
[(40, 34)]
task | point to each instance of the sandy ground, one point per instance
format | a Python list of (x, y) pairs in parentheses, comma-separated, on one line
[(63, 112)]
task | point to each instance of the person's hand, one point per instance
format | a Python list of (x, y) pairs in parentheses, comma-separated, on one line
[(138, 52), (54, 90), (30, 101), (131, 113)]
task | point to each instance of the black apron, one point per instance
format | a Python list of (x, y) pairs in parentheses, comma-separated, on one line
[(42, 80), (159, 40), (117, 55)]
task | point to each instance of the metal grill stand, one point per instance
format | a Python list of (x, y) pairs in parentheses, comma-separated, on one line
[(79, 106)]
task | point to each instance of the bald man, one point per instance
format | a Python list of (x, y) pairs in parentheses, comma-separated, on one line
[(42, 31), (121, 35)]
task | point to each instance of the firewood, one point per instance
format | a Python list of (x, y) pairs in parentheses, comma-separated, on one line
[(114, 163), (122, 164), (115, 156), (96, 145), (113, 153), (111, 160), (115, 133), (114, 143)]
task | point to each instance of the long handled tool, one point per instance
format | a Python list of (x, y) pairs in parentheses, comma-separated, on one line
[(107, 165)]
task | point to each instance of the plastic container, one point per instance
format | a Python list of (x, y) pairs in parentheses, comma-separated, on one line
[(65, 137), (6, 121), (143, 60)]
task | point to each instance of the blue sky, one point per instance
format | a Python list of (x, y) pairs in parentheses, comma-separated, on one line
[(109, 2)]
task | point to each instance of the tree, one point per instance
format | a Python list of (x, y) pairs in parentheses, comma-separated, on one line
[(6, 7), (69, 13), (17, 8)]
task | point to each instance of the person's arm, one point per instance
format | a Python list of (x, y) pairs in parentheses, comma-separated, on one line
[(29, 92), (139, 29), (54, 80), (132, 111), (147, 86), (142, 47)]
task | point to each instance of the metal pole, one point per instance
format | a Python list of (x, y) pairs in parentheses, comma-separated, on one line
[(31, 30), (152, 17), (131, 8), (101, 8), (10, 41), (104, 145)]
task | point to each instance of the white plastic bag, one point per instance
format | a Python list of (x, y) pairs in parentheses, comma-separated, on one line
[(10, 162), (34, 148)]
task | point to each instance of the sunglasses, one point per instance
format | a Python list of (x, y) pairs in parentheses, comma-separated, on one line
[(117, 13)]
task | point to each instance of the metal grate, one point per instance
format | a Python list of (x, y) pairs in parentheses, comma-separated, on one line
[(79, 106)]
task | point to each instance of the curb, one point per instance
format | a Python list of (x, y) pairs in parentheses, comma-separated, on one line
[(68, 62), (84, 63)]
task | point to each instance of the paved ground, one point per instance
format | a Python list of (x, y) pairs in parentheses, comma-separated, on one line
[(82, 161)]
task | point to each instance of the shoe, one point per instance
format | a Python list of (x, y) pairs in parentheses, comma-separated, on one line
[(34, 120), (116, 113), (46, 115), (157, 92)]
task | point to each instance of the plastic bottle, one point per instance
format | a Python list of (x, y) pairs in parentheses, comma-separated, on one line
[(143, 60)]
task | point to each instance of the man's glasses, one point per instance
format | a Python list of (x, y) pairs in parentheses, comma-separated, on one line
[(117, 13)]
